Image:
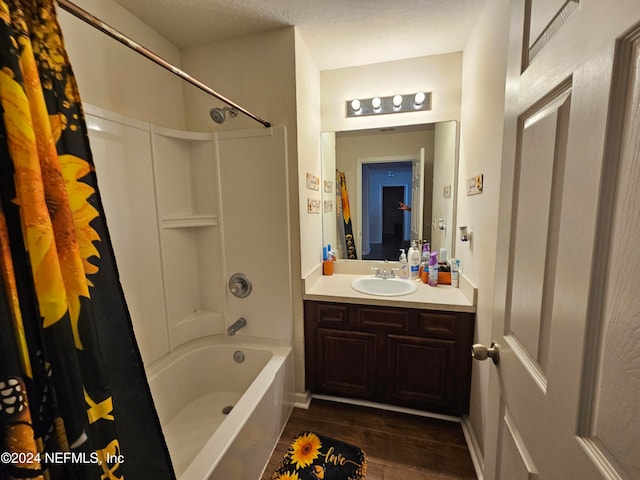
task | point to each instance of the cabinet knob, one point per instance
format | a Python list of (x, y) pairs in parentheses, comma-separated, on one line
[(481, 352)]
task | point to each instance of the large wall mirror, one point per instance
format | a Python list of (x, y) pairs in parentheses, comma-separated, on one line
[(401, 185)]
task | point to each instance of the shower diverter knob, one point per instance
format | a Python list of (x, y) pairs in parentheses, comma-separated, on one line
[(240, 285)]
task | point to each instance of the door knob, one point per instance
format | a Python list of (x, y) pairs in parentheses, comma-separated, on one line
[(481, 352)]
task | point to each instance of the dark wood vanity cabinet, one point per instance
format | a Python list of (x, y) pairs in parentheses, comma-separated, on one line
[(399, 356)]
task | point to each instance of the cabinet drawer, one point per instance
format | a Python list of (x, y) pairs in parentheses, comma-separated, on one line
[(441, 325), (387, 319), (332, 315)]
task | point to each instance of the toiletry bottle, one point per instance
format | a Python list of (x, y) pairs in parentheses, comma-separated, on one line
[(426, 253), (327, 261), (455, 272), (404, 265), (433, 269), (414, 261), (424, 272), (424, 260)]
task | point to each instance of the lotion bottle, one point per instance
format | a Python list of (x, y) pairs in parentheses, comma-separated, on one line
[(414, 261)]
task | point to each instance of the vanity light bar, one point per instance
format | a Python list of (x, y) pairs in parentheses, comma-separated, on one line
[(410, 102)]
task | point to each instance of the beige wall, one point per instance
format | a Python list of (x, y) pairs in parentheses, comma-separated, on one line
[(482, 116), (309, 160), (257, 72), (113, 77), (440, 74), (309, 153), (329, 225)]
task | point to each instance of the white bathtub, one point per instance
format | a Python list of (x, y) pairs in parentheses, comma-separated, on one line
[(193, 385)]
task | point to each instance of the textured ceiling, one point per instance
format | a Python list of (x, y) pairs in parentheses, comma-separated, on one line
[(338, 33)]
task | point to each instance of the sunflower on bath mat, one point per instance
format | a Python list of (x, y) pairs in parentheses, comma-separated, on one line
[(316, 457)]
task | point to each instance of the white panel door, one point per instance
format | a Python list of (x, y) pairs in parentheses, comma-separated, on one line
[(565, 393)]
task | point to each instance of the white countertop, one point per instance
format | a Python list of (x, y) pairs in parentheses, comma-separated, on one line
[(337, 288)]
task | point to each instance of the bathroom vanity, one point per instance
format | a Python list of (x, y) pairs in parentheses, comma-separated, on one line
[(411, 351)]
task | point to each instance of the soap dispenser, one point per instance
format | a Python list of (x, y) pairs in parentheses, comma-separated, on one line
[(404, 265)]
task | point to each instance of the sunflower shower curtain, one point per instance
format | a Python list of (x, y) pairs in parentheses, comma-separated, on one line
[(74, 399)]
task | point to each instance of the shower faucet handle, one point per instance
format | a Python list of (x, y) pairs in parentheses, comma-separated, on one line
[(240, 285)]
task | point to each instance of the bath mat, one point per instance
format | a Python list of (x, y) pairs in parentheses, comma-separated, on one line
[(312, 456)]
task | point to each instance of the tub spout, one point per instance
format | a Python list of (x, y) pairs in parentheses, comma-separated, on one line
[(235, 326)]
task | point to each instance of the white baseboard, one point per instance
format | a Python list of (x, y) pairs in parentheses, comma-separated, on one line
[(384, 406), (474, 447), (302, 400)]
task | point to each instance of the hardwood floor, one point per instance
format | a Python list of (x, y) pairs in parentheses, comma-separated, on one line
[(399, 446)]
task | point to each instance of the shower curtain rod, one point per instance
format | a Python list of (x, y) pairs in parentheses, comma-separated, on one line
[(85, 16)]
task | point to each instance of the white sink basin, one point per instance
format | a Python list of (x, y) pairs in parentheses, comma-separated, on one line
[(385, 287)]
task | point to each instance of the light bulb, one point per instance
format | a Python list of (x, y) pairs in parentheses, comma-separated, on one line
[(397, 101), (419, 99), (355, 105), (376, 103)]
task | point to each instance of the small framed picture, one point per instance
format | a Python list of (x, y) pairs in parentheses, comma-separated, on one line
[(313, 182), (313, 205)]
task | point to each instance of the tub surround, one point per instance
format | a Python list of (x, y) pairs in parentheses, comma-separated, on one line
[(190, 229), (337, 288)]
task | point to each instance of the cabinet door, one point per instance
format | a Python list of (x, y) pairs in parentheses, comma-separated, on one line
[(420, 373), (346, 363)]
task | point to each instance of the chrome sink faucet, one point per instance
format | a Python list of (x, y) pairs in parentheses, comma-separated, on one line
[(386, 272), (235, 326)]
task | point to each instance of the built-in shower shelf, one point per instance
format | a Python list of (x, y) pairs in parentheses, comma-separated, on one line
[(187, 198), (190, 221)]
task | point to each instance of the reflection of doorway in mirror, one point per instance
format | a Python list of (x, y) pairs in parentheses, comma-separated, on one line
[(393, 225), (348, 150), (385, 228)]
